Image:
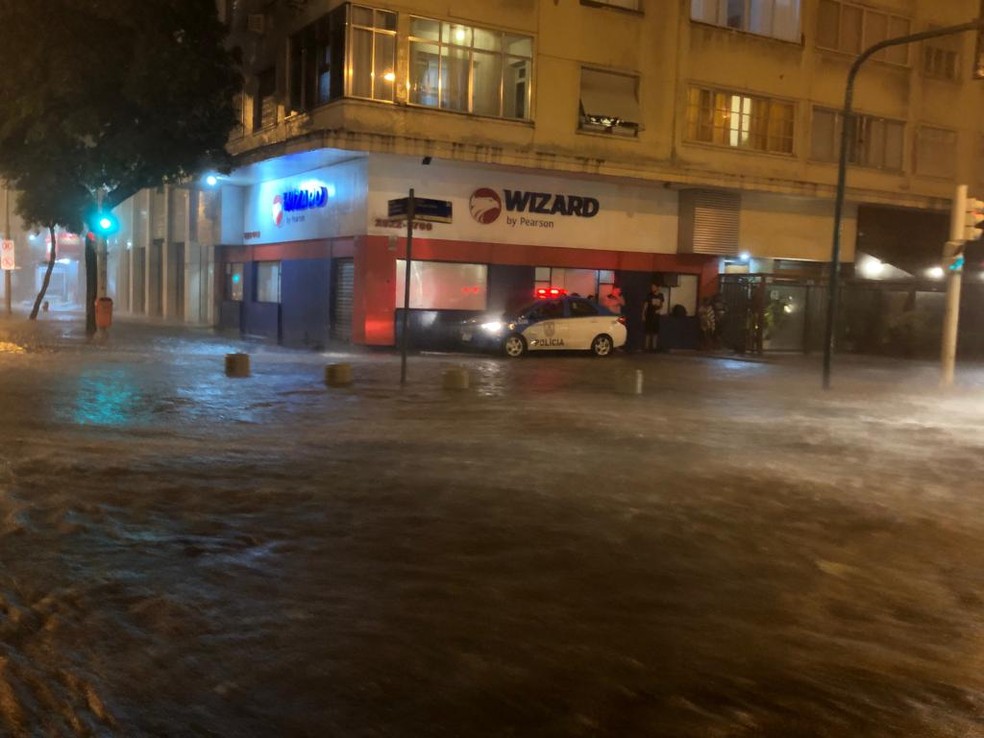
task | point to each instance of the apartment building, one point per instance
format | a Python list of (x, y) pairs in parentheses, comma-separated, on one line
[(581, 143)]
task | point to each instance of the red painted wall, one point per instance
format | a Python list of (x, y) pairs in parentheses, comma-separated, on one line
[(375, 292)]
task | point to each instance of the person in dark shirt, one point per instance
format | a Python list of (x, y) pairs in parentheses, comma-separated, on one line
[(651, 309)]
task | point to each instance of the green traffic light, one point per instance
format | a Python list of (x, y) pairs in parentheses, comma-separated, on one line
[(106, 224)]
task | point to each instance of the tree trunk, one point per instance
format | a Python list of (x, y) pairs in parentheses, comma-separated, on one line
[(91, 286), (47, 274)]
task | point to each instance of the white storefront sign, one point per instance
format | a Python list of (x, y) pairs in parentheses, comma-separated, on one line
[(496, 206)]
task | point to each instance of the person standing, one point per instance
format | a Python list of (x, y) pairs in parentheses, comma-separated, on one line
[(706, 316), (651, 310), (614, 300)]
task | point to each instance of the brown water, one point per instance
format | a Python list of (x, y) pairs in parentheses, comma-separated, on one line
[(729, 554)]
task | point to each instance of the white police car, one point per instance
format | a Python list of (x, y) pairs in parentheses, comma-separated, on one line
[(554, 322)]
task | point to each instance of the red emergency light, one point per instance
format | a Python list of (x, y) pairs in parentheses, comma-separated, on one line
[(550, 292)]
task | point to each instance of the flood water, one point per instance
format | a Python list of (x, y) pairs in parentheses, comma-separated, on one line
[(731, 554)]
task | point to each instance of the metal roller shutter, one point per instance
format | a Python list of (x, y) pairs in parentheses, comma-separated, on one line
[(341, 301)]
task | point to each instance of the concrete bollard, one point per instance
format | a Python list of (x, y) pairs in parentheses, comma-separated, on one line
[(237, 365), (338, 375), (455, 378), (629, 383)]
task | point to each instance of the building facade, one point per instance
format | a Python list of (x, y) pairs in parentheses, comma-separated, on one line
[(580, 144)]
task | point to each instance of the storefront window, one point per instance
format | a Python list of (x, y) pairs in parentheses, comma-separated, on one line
[(683, 292), (268, 281), (234, 282), (583, 282), (438, 285)]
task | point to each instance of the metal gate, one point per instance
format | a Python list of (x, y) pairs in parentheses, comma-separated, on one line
[(737, 291), (343, 287), (763, 312)]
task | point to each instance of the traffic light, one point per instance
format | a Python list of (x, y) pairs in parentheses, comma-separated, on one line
[(953, 255), (973, 219), (104, 224)]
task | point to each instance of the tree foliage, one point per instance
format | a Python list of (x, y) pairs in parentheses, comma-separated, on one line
[(110, 95)]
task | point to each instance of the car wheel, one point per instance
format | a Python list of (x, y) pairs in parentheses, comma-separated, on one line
[(602, 345), (514, 346)]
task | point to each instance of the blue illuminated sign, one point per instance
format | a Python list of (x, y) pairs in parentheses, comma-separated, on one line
[(305, 199)]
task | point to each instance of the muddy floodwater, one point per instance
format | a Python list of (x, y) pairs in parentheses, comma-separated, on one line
[(731, 554)]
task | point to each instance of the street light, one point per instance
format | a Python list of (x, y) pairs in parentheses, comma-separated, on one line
[(846, 113)]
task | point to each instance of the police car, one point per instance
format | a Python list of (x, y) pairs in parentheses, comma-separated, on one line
[(553, 322)]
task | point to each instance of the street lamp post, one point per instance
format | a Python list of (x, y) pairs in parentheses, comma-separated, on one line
[(102, 248), (846, 114), (7, 280)]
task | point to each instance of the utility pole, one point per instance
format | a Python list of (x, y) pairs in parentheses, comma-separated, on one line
[(7, 273), (966, 222), (405, 334), (101, 250), (951, 251), (846, 128)]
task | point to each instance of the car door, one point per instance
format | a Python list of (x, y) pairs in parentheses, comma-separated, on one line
[(584, 323), (546, 329)]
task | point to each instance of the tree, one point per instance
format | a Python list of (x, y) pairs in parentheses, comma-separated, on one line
[(103, 98)]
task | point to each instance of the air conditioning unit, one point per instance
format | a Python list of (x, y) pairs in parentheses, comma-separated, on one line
[(256, 23)]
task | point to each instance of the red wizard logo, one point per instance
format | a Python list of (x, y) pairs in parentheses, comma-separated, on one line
[(485, 205)]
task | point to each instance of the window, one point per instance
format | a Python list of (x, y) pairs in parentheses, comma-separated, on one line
[(741, 121), (548, 310), (317, 62), (268, 281), (439, 285), (774, 18), (609, 103), (684, 292), (876, 142), (352, 51), (583, 309), (470, 70), (265, 103), (372, 41), (583, 282), (936, 152), (851, 28), (940, 57), (234, 282), (627, 4)]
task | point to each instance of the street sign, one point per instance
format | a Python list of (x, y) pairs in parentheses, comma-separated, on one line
[(424, 209), (7, 255)]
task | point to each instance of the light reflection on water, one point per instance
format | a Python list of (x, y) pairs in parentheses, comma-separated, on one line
[(107, 397), (6, 347)]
